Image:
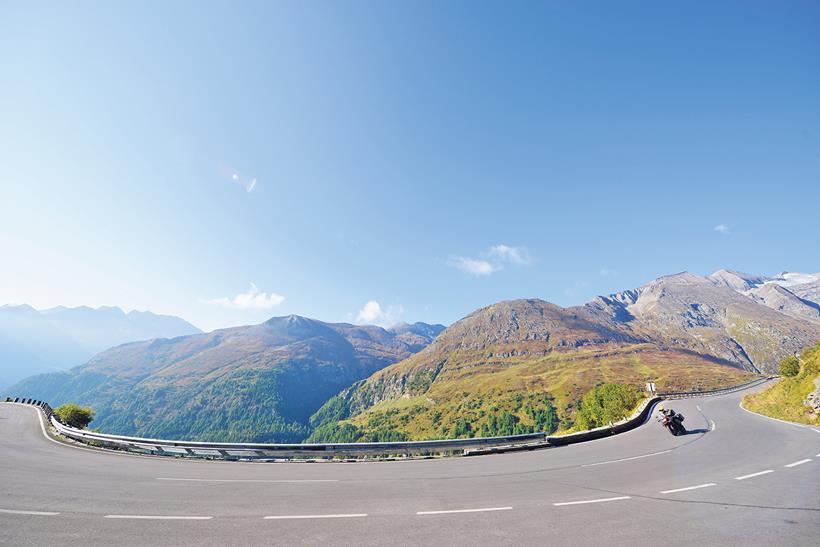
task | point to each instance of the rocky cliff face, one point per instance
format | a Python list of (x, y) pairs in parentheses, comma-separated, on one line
[(687, 310)]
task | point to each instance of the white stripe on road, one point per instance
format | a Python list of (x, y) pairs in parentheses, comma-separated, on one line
[(706, 485), (591, 501), (246, 480), (19, 512), (463, 511), (749, 476), (801, 462), (626, 459), (339, 516), (156, 517), (770, 418), (714, 426)]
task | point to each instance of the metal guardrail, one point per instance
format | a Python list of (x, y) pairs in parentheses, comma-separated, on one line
[(732, 389), (325, 451)]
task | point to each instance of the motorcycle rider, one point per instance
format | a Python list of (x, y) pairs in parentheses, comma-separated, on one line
[(663, 411)]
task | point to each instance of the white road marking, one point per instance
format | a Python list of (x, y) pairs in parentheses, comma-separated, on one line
[(340, 516), (713, 425), (627, 459), (698, 406), (706, 485), (156, 517), (246, 480), (463, 511), (591, 501), (19, 512), (770, 418), (801, 462), (750, 475)]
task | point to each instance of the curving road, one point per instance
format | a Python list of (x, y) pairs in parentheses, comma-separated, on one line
[(736, 479)]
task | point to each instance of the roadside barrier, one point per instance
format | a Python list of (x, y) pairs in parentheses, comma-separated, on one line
[(347, 451)]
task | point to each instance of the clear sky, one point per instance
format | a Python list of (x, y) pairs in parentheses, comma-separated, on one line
[(228, 162)]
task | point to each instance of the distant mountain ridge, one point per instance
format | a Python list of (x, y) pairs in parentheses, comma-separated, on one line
[(255, 383), (33, 341), (792, 293)]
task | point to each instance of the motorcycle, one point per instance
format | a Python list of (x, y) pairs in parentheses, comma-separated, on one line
[(674, 423)]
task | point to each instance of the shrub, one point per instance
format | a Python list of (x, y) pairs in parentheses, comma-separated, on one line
[(790, 366), (74, 415), (606, 403)]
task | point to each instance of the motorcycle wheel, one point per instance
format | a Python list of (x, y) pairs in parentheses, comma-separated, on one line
[(672, 430)]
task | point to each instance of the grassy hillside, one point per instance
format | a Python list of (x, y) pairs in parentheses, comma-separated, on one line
[(785, 400), (516, 391)]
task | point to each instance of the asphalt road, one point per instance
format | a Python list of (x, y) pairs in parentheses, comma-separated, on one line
[(736, 479)]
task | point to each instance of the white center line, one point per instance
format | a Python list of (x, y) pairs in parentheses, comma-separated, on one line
[(626, 459), (19, 512), (463, 511), (340, 516), (749, 476), (247, 480), (591, 501), (801, 462), (156, 517), (706, 485)]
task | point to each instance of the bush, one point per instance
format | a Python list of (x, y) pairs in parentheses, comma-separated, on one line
[(74, 415), (606, 403), (790, 366)]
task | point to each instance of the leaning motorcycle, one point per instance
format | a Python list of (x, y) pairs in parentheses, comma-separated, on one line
[(674, 423)]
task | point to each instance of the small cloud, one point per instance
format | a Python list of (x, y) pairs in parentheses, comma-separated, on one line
[(606, 272), (492, 260), (722, 229), (373, 314), (513, 255), (474, 266), (253, 299)]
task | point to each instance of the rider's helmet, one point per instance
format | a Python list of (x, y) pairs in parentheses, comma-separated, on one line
[(661, 408)]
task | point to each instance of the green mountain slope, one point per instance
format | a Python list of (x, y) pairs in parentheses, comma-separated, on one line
[(515, 367), (256, 384)]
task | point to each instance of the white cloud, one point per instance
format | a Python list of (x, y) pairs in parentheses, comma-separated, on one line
[(722, 229), (373, 314), (492, 260), (474, 266), (605, 272), (253, 299), (513, 255)]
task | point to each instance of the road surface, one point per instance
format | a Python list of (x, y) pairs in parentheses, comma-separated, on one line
[(737, 479)]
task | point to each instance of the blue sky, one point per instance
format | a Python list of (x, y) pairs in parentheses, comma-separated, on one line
[(433, 157)]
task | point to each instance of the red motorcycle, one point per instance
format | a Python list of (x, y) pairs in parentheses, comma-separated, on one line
[(673, 422)]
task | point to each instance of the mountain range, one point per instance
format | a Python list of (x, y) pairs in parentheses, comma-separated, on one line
[(511, 367), (33, 341), (258, 383), (524, 357)]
